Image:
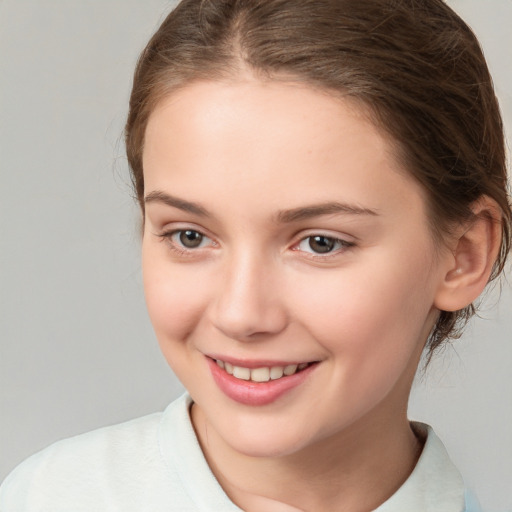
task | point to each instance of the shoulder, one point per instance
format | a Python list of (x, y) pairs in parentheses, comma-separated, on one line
[(116, 465)]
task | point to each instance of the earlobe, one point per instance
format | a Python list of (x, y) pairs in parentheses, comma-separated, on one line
[(474, 253)]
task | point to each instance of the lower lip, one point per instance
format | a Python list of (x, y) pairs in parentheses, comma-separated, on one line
[(248, 392)]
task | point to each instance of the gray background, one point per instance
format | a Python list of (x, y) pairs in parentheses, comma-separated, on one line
[(77, 349)]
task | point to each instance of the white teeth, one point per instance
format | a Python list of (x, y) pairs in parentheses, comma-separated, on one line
[(241, 373), (260, 374), (290, 369), (276, 372), (263, 374)]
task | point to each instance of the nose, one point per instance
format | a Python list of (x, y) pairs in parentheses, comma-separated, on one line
[(248, 304)]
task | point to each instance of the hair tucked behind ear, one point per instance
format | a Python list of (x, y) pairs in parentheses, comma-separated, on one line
[(414, 64)]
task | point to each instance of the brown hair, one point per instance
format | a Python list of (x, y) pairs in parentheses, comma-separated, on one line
[(414, 63)]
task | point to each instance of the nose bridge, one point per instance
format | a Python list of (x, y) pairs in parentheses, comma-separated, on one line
[(248, 299)]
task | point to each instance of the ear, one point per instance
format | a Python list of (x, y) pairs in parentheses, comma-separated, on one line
[(474, 251)]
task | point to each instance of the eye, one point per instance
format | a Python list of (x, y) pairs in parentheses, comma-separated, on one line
[(184, 240), (189, 238), (321, 244)]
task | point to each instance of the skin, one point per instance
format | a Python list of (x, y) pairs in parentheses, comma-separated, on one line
[(243, 152)]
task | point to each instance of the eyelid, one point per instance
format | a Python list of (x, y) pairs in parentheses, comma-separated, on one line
[(328, 233), (173, 227)]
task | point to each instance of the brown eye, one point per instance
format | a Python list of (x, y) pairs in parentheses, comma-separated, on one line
[(321, 244), (190, 239)]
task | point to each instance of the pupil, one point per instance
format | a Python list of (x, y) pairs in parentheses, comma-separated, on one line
[(321, 244), (191, 238)]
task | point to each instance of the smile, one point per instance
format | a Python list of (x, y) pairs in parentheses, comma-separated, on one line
[(263, 374), (256, 384)]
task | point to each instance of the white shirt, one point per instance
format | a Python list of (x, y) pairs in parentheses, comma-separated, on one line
[(155, 463)]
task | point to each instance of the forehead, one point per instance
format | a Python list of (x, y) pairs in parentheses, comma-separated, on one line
[(281, 107), (250, 137)]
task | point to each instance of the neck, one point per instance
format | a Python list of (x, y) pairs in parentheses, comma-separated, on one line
[(357, 469)]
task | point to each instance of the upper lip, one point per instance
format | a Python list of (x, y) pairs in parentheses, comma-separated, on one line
[(257, 363)]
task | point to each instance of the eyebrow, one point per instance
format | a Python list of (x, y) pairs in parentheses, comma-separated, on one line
[(283, 216), (158, 196), (317, 210)]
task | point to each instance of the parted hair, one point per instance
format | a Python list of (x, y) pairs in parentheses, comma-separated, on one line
[(413, 64)]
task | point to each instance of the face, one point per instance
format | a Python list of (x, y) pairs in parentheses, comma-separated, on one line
[(289, 271)]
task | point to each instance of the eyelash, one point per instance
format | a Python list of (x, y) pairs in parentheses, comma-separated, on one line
[(342, 245)]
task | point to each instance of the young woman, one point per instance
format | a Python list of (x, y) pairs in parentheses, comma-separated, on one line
[(323, 191)]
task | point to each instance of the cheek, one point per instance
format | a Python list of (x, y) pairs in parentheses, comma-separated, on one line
[(173, 299), (373, 317)]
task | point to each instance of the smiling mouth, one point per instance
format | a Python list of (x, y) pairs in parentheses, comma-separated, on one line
[(262, 374)]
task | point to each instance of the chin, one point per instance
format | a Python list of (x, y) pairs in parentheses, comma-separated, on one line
[(266, 444)]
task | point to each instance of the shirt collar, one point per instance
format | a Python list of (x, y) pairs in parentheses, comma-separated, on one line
[(435, 485)]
